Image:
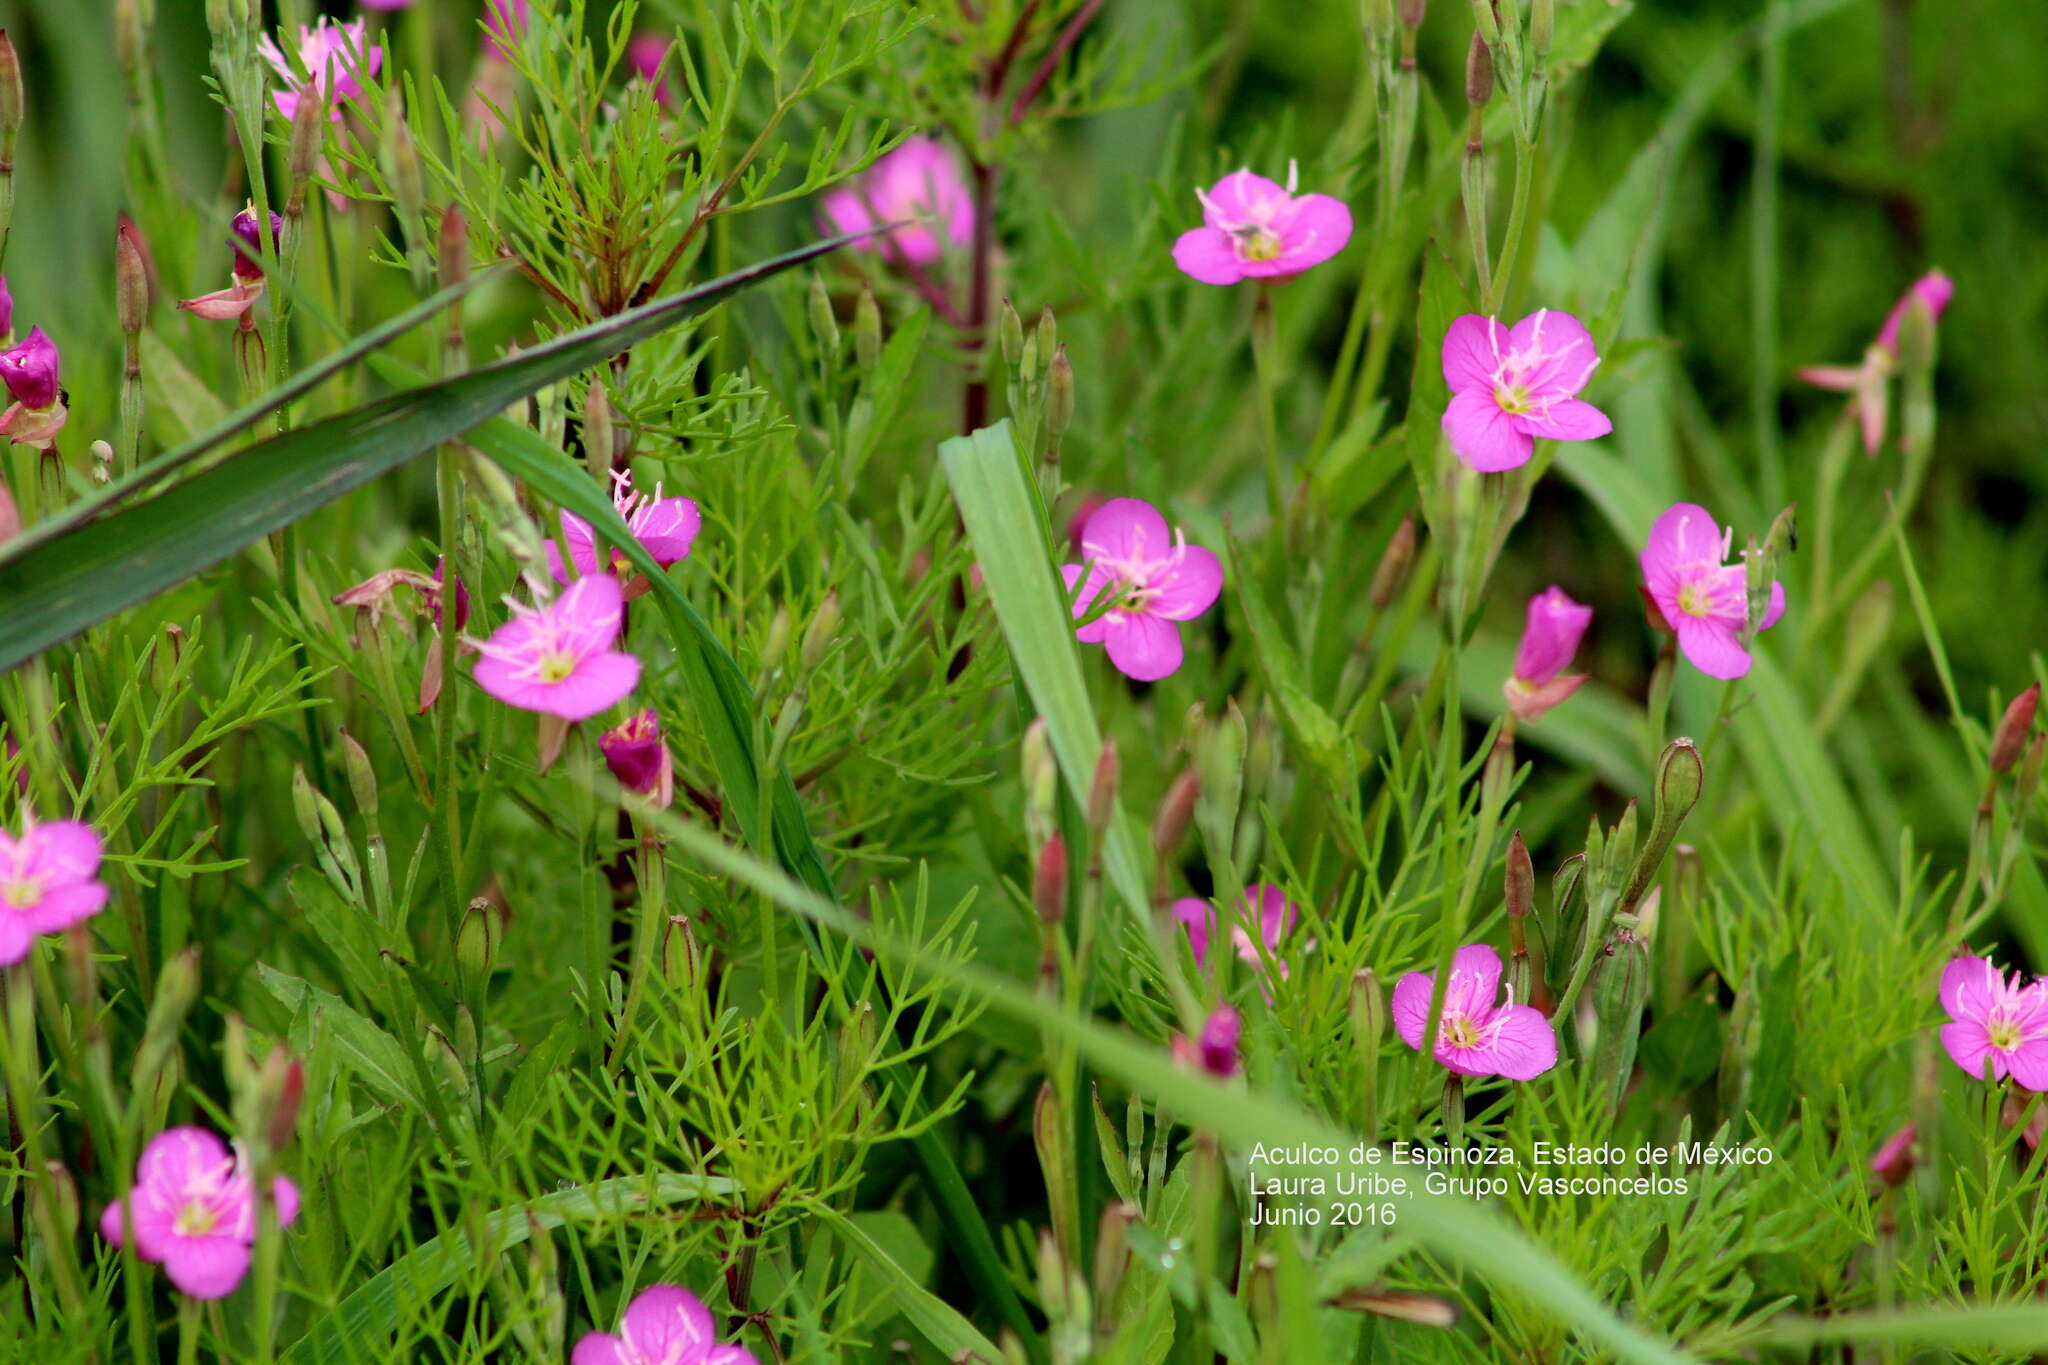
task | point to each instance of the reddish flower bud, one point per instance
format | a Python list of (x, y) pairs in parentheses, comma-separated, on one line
[(1893, 1163), (638, 757), (247, 265), (30, 370), (2011, 738)]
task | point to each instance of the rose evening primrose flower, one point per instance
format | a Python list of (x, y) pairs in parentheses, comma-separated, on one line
[(247, 285), (1155, 578), (49, 881), (193, 1211), (1994, 1019), (918, 184), (1869, 383), (1475, 1036), (663, 1325), (1253, 229), (557, 658), (1550, 637), (1512, 385), (1703, 599), (665, 528), (333, 60), (1276, 915)]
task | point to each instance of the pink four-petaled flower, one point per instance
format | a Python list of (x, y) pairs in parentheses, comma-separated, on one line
[(1702, 597), (1476, 1036), (1512, 385), (333, 62), (49, 881), (663, 1325), (558, 658), (1994, 1019), (1253, 229), (665, 528), (193, 1211), (918, 184), (1155, 576), (1550, 636), (1275, 913)]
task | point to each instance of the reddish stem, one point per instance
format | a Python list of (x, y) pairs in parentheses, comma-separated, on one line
[(1070, 35)]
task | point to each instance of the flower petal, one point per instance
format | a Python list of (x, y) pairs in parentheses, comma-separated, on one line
[(1126, 529), (1189, 588), (1564, 353), (1410, 1007), (1472, 352), (178, 1157), (1198, 917), (206, 1267), (1475, 979), (1567, 419), (598, 682), (1526, 1045), (1774, 608), (667, 1323), (597, 1348), (63, 906), (1710, 644), (1209, 256), (1241, 197), (1483, 436), (1142, 646), (1685, 534), (1969, 1046), (64, 850), (1966, 987)]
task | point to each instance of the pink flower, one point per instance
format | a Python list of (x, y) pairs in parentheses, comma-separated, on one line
[(665, 528), (248, 265), (663, 1325), (1475, 1036), (1276, 915), (30, 370), (638, 757), (1510, 386), (1255, 230), (558, 658), (193, 1211), (49, 881), (504, 26), (1157, 577), (335, 59), (1704, 600), (645, 54), (1995, 1018), (1551, 636), (917, 181), (1869, 383), (386, 5)]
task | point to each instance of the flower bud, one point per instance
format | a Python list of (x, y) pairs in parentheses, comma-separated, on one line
[(1112, 1259), (1216, 1049), (1893, 1162), (30, 370), (1478, 73), (402, 167), (867, 329), (1219, 757), (304, 806), (1917, 337), (477, 939), (302, 147), (1542, 28), (824, 326), (777, 644), (1392, 574), (1368, 1011), (639, 758), (249, 244), (1049, 882), (1618, 854), (1059, 394), (1010, 333), (12, 102), (362, 774), (131, 279), (1047, 336), (1680, 775), (2010, 739), (63, 1191), (818, 635), (681, 959), (1521, 879), (1041, 782), (2029, 780), (451, 247), (1102, 789), (1170, 826), (280, 1087), (1621, 983), (177, 987), (1412, 12)]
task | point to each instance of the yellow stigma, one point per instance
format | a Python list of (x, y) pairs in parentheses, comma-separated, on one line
[(1258, 244), (2005, 1035), (556, 667), (1692, 601), (195, 1220), (1511, 398), (1458, 1032), (20, 894)]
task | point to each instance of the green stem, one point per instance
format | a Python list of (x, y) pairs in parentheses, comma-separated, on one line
[(1265, 362)]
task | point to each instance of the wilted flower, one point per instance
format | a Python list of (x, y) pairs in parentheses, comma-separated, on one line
[(558, 658), (665, 528), (1703, 599), (1894, 1161), (246, 286), (1550, 637), (30, 372), (193, 1211), (1155, 576), (1868, 383), (248, 264), (1995, 1018), (1476, 1036), (663, 1325), (1255, 230), (1214, 1050), (333, 60), (638, 757), (1510, 386), (49, 881), (918, 184)]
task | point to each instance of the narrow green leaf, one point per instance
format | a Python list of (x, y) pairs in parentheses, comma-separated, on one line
[(942, 1326)]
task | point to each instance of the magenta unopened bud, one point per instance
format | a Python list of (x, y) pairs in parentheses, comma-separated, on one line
[(638, 757), (30, 370), (248, 266), (1933, 289), (2010, 739), (1217, 1046), (1893, 1163), (1551, 635)]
